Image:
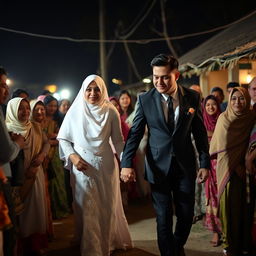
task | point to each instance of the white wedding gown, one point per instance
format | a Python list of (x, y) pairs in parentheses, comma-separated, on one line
[(100, 223)]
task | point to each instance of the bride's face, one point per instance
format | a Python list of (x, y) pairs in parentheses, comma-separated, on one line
[(92, 93)]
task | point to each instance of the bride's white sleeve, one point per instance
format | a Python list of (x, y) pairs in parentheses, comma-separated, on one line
[(65, 150)]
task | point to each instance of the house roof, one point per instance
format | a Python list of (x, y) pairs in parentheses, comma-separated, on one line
[(224, 49)]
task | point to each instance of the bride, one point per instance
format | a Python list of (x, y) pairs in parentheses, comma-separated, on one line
[(91, 121)]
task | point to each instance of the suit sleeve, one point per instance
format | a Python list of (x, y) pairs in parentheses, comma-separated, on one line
[(201, 139), (135, 135)]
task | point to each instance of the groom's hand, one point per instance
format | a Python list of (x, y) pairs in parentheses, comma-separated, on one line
[(128, 174), (202, 175)]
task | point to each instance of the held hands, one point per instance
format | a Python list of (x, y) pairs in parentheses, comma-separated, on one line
[(202, 175), (128, 174), (78, 162)]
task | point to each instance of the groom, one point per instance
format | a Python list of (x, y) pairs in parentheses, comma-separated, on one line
[(171, 113)]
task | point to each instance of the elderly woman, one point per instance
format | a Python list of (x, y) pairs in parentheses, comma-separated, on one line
[(91, 121), (229, 143), (33, 220)]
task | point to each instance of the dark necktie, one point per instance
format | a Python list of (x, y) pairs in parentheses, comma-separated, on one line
[(170, 120)]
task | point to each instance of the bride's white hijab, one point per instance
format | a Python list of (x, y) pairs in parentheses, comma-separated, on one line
[(12, 122), (84, 123)]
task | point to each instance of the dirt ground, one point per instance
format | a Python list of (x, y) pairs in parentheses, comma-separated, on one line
[(142, 224)]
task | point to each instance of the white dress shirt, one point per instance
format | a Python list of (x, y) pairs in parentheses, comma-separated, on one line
[(176, 107)]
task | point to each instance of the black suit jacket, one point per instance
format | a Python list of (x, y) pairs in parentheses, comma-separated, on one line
[(162, 145)]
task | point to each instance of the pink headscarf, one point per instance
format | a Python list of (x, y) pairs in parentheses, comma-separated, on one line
[(210, 120), (116, 100), (41, 97)]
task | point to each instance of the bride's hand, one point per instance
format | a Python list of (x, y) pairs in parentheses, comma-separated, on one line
[(78, 162)]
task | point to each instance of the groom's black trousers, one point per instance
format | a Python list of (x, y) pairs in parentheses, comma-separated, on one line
[(176, 194)]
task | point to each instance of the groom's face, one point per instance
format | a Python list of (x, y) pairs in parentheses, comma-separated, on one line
[(165, 79)]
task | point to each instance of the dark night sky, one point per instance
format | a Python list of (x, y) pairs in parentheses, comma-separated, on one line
[(34, 62)]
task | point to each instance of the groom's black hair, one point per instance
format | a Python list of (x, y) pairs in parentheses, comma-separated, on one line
[(165, 60)]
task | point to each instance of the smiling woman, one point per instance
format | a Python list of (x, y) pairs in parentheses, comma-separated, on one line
[(211, 112), (92, 93), (33, 219), (24, 111), (238, 102), (229, 144), (84, 139)]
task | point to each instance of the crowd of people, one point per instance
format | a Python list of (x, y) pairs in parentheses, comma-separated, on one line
[(229, 195), (195, 156), (34, 187)]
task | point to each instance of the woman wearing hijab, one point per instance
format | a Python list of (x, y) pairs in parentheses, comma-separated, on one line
[(101, 226), (33, 220), (211, 112), (38, 115), (38, 112), (229, 143)]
